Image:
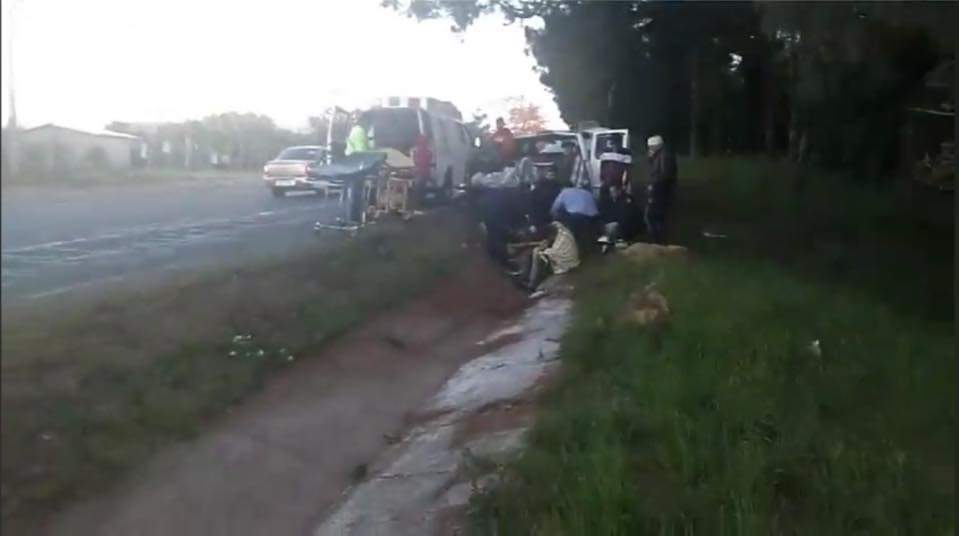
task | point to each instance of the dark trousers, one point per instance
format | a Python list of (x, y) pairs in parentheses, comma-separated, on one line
[(533, 269), (497, 236), (656, 224)]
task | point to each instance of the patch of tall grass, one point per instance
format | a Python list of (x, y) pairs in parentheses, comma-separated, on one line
[(805, 383)]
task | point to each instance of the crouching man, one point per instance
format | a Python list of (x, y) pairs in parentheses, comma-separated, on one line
[(575, 208)]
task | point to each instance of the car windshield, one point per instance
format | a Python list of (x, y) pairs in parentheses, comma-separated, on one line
[(301, 153)]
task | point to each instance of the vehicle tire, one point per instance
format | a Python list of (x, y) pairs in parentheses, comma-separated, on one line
[(278, 192)]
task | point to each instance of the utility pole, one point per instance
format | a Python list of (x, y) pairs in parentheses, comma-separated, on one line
[(12, 151)]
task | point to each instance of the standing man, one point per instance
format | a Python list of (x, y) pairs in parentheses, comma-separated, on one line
[(422, 160), (541, 197), (358, 140), (659, 193), (505, 142)]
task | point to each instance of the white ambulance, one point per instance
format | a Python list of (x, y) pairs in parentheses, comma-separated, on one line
[(396, 122)]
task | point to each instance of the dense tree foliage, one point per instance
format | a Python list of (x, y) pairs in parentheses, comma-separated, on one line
[(818, 81), (525, 117), (235, 140)]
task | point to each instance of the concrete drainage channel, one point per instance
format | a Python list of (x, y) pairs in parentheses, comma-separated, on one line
[(417, 485)]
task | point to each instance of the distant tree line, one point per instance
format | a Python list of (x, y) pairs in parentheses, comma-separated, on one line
[(824, 82), (228, 140)]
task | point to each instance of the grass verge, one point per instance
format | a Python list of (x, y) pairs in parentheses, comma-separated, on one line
[(90, 393), (726, 421), (94, 178)]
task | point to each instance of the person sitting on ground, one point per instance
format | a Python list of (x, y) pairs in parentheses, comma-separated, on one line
[(575, 207), (557, 255)]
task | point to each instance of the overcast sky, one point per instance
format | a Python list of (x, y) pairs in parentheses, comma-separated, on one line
[(86, 63)]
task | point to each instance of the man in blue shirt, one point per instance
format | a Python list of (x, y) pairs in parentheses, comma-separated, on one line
[(574, 201), (576, 209)]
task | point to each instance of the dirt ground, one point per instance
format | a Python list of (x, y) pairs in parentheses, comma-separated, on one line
[(283, 457)]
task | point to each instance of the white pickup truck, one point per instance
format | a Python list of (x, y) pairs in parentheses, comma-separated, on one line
[(592, 142)]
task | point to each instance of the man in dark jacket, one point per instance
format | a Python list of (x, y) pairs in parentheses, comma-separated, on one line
[(660, 192), (502, 211), (619, 213), (542, 195)]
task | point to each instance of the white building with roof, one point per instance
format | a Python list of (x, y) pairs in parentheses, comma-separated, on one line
[(75, 146)]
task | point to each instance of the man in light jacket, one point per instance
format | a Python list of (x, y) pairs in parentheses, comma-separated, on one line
[(358, 140)]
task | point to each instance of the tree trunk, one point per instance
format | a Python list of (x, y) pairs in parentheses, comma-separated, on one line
[(793, 133), (794, 106), (610, 103), (803, 151), (694, 104), (769, 107)]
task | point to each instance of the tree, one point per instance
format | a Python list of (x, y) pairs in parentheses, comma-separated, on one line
[(643, 65), (849, 73), (525, 117), (246, 140), (828, 82)]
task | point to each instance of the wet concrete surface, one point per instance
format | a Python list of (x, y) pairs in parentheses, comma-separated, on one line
[(417, 486), (56, 242), (282, 458)]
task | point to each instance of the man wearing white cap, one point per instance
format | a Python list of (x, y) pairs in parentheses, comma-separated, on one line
[(659, 193)]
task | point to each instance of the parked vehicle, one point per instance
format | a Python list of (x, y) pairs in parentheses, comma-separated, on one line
[(398, 121), (289, 170), (591, 142), (531, 145), (596, 141)]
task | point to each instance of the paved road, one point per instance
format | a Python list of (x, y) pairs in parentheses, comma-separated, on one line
[(59, 242)]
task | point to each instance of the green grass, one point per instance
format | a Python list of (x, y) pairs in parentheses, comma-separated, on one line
[(725, 422), (75, 417), (86, 178)]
